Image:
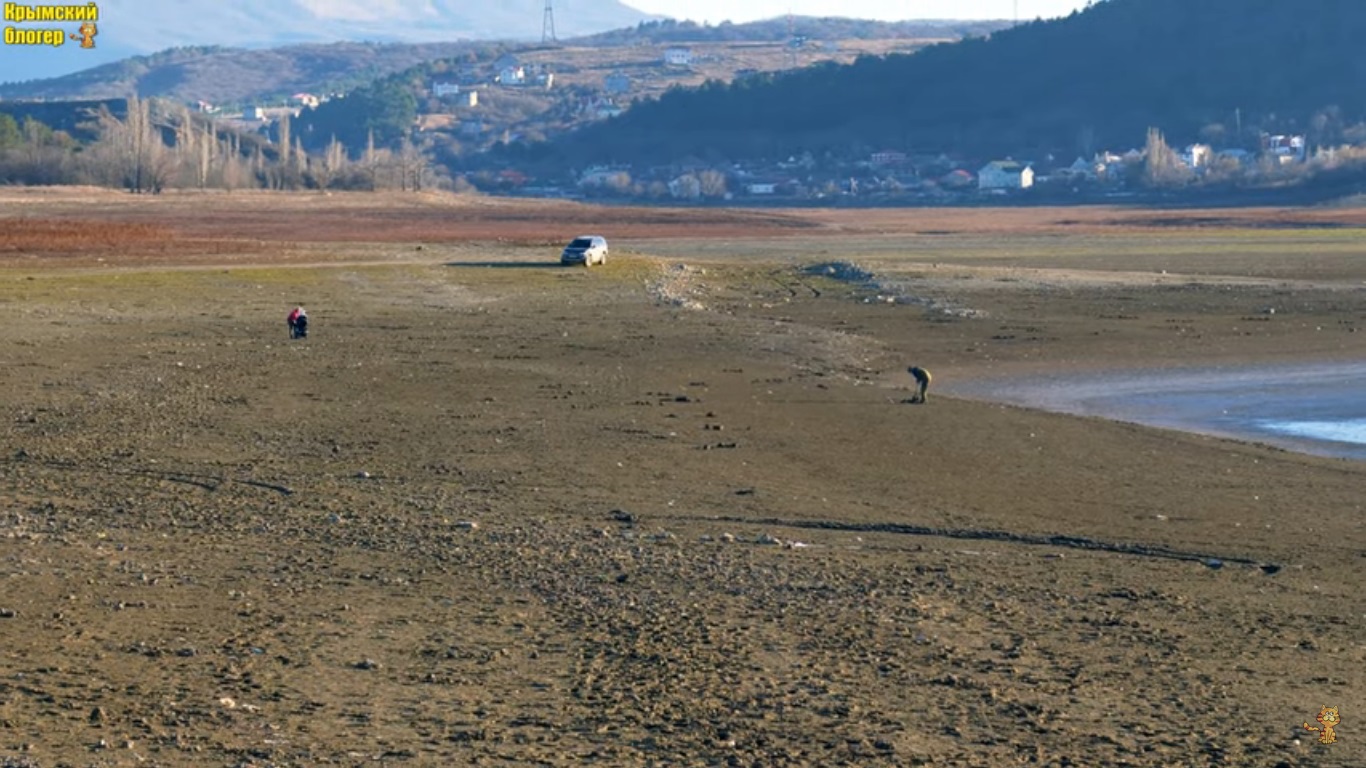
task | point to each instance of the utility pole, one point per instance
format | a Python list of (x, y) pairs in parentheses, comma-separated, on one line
[(548, 24)]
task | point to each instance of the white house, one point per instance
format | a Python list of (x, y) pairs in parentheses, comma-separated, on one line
[(1005, 174), (761, 188), (442, 90), (678, 57), (1197, 156), (512, 76), (1286, 149)]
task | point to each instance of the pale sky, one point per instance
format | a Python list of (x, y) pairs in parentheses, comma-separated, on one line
[(716, 11)]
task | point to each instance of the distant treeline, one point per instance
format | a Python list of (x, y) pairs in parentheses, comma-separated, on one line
[(782, 29), (146, 146)]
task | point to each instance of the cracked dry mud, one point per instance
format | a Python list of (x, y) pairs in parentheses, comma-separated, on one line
[(526, 515)]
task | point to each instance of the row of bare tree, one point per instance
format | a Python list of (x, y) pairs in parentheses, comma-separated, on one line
[(153, 147)]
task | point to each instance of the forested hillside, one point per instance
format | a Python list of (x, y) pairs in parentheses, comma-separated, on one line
[(1221, 70)]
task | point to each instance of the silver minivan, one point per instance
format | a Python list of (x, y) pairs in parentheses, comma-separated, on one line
[(586, 250)]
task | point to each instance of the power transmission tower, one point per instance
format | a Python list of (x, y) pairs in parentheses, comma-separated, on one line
[(548, 24)]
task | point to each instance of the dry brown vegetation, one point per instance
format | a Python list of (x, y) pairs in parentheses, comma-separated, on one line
[(669, 511)]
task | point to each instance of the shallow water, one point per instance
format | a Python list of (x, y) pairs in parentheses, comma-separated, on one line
[(1318, 409)]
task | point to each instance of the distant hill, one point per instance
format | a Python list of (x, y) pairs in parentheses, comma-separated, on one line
[(220, 74), (1214, 69), (783, 29), (132, 27)]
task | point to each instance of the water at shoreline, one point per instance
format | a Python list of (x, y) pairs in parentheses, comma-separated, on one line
[(1318, 409)]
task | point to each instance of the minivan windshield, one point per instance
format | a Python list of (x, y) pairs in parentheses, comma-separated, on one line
[(582, 242)]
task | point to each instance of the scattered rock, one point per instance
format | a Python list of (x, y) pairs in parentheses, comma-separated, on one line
[(468, 525), (363, 475), (624, 517), (367, 664), (769, 540)]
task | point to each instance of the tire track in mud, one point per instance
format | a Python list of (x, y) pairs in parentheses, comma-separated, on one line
[(973, 534), (199, 479)]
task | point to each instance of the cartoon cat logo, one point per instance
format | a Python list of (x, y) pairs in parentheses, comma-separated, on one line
[(86, 34), (1329, 719)]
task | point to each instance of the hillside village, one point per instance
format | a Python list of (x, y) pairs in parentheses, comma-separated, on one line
[(559, 89), (475, 120)]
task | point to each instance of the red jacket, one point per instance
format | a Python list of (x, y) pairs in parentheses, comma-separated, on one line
[(293, 315)]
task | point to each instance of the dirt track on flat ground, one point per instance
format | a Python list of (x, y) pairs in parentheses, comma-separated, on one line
[(672, 511)]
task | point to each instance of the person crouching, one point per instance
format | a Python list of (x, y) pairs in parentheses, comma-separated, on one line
[(922, 383)]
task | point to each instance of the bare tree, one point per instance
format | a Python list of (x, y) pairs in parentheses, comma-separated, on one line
[(413, 166), (370, 160), (1162, 167), (133, 148), (713, 183), (330, 166), (207, 144)]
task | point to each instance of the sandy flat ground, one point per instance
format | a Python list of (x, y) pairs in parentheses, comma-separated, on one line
[(670, 511)]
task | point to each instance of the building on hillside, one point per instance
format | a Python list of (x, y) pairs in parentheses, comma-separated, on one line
[(1197, 156), (442, 90), (1005, 174), (616, 83), (512, 76), (677, 57), (307, 100), (1079, 171), (469, 98), (1284, 149)]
